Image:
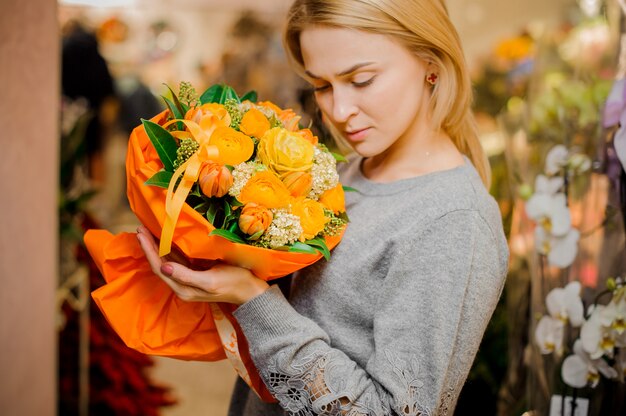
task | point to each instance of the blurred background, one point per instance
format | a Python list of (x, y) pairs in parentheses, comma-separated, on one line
[(78, 75)]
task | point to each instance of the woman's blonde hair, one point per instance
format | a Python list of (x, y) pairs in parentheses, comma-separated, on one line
[(424, 27)]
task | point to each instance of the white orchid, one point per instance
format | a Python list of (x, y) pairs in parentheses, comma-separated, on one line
[(561, 251), (549, 335), (565, 304), (614, 317), (556, 159), (597, 340), (579, 369), (578, 163), (559, 157), (550, 212), (548, 186)]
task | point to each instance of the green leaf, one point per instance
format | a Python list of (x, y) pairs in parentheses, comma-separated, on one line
[(201, 207), (218, 93), (250, 96), (256, 235), (175, 112), (195, 191), (299, 247), (161, 179), (176, 101), (320, 245), (338, 157), (163, 142), (349, 189), (227, 209), (228, 235), (212, 213)]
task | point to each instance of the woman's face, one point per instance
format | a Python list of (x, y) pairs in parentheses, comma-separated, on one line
[(369, 87)]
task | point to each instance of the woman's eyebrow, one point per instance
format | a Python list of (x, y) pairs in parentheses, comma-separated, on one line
[(343, 73)]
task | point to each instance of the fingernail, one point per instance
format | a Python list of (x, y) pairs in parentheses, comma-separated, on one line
[(167, 269), (140, 229)]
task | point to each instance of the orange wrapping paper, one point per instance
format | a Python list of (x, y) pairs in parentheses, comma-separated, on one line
[(143, 310)]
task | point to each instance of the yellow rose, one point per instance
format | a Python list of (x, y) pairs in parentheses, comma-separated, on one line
[(214, 179), (312, 218), (265, 188), (334, 199), (284, 151), (254, 123), (254, 219), (234, 147)]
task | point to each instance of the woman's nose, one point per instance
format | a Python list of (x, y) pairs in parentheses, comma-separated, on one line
[(344, 106)]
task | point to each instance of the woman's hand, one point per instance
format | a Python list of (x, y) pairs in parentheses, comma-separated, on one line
[(219, 283)]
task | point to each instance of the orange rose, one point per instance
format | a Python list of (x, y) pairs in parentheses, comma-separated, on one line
[(289, 119), (255, 219), (254, 123), (265, 188), (234, 147), (270, 105), (308, 136), (334, 199), (284, 151), (298, 183), (312, 218), (209, 117), (214, 179)]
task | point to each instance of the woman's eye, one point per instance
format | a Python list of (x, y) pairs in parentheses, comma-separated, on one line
[(363, 83), (321, 88)]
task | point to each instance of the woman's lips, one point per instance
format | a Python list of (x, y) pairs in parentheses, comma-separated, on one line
[(357, 135)]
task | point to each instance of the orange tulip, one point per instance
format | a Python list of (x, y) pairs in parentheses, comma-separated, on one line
[(312, 217), (254, 123), (334, 199), (265, 188), (214, 179), (254, 219), (298, 183), (234, 147)]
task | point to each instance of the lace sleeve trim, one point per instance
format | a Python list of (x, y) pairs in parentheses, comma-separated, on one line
[(317, 385)]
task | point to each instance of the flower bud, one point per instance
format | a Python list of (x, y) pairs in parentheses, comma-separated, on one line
[(214, 179), (298, 183), (254, 219)]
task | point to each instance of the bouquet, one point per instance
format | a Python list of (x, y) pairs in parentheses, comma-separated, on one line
[(219, 177)]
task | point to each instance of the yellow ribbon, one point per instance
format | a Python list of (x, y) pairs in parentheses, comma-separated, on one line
[(190, 170)]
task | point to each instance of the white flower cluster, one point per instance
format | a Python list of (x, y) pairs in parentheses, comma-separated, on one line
[(241, 174), (324, 173), (602, 334), (554, 236), (284, 229)]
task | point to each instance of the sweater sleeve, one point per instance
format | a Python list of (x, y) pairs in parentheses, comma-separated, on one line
[(439, 293)]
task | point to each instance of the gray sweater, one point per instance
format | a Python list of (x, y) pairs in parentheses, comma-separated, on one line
[(391, 325)]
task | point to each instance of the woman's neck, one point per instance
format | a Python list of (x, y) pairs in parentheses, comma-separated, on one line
[(433, 153)]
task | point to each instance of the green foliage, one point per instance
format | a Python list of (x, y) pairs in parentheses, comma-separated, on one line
[(250, 96), (161, 179), (229, 235), (163, 142), (219, 94)]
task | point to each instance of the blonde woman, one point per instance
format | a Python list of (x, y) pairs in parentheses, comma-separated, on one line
[(391, 325)]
